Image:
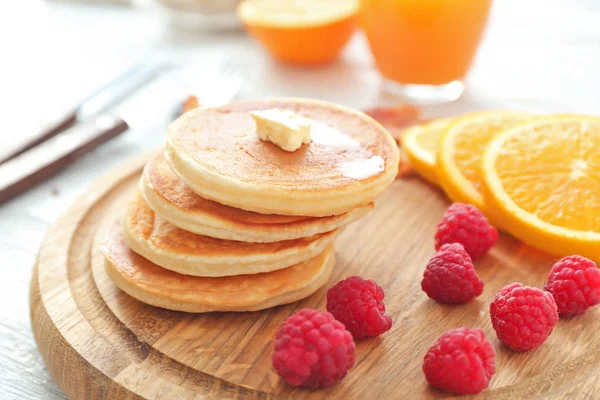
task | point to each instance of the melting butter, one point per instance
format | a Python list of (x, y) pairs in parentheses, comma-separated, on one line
[(324, 135), (289, 131), (363, 169)]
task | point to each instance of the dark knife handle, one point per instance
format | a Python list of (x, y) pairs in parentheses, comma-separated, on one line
[(45, 160), (47, 130)]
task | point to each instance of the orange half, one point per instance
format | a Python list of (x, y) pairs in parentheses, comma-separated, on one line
[(301, 32)]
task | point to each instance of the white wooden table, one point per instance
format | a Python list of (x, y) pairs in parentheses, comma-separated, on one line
[(542, 54)]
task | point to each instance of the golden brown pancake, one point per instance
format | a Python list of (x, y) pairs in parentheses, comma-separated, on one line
[(217, 152), (187, 253), (159, 287), (178, 204)]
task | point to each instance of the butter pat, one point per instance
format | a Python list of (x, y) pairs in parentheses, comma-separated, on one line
[(282, 127)]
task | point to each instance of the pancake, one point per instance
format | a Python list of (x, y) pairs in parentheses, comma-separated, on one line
[(178, 204), (187, 253), (159, 287), (217, 152)]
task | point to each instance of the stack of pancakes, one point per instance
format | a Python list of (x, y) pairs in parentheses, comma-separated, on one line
[(225, 221)]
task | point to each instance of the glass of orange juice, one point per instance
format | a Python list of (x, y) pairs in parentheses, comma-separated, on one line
[(424, 48)]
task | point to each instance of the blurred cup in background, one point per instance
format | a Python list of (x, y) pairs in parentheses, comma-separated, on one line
[(424, 48)]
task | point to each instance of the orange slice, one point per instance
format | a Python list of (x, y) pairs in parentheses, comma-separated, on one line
[(460, 150), (304, 32), (421, 144), (543, 179)]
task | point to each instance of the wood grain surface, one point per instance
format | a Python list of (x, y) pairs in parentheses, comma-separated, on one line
[(100, 343)]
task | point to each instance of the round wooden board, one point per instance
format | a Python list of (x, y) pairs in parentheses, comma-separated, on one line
[(98, 342)]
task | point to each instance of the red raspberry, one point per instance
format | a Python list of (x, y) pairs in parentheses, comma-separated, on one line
[(450, 276), (574, 282), (313, 350), (358, 304), (523, 317), (462, 361), (466, 224)]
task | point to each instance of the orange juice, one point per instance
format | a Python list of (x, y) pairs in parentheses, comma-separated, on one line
[(430, 42)]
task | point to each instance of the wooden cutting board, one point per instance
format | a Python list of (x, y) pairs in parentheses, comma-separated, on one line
[(98, 342)]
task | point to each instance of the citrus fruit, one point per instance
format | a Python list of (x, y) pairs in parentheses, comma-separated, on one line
[(460, 150), (302, 32), (543, 179), (421, 144)]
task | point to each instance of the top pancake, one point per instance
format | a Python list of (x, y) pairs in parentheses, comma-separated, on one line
[(175, 202), (217, 152)]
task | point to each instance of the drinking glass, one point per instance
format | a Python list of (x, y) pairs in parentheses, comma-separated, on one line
[(424, 48)]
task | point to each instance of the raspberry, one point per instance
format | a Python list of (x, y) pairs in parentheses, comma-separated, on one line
[(523, 317), (574, 281), (462, 361), (313, 350), (466, 224), (357, 303), (450, 276)]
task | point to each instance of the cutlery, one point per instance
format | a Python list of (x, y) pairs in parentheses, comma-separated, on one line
[(142, 115), (90, 107)]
